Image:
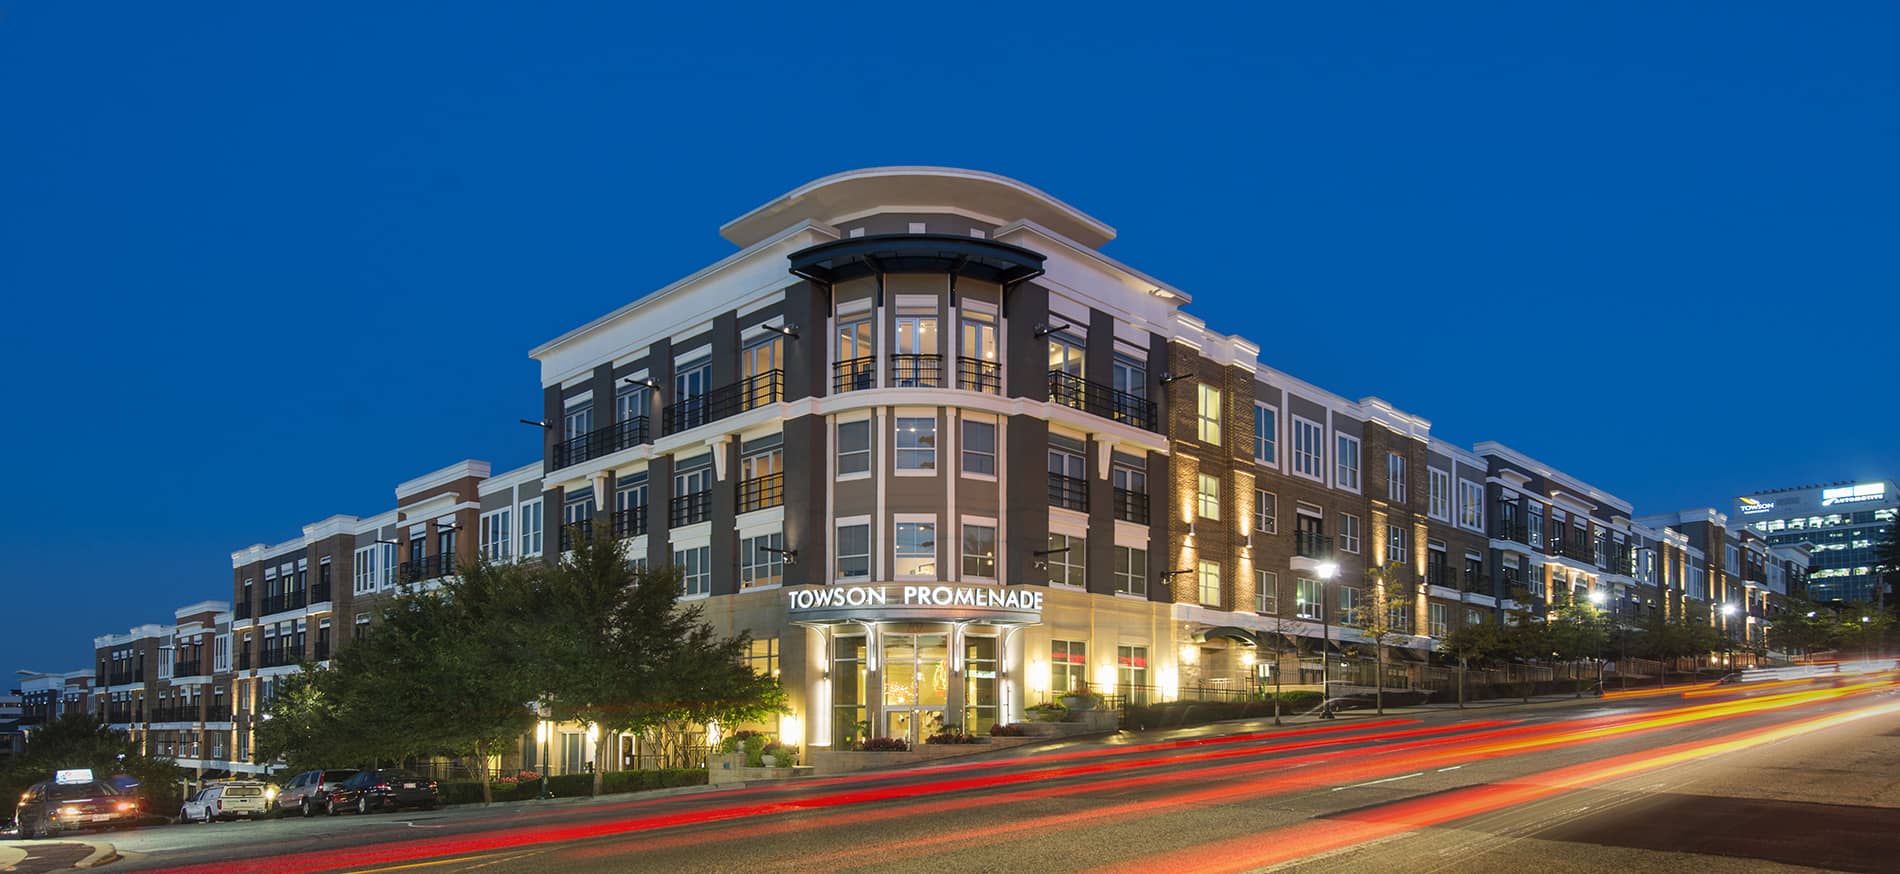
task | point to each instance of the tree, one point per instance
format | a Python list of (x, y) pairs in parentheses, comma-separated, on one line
[(1577, 632), (77, 739), (1473, 643), (1861, 627), (1801, 626), (303, 726), (1381, 617)]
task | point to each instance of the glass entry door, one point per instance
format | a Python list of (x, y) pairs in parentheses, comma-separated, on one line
[(916, 685)]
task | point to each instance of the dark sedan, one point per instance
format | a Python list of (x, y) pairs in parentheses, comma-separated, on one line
[(381, 790), (50, 807)]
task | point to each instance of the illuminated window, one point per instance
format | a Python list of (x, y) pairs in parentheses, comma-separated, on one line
[(762, 560), (1395, 540), (979, 551), (1067, 560), (916, 549), (917, 443), (1208, 574), (1306, 595), (1209, 497), (1471, 505), (762, 656), (1208, 413), (1068, 665)]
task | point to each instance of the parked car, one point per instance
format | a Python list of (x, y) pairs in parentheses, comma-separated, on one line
[(382, 789), (50, 807), (307, 792), (237, 799)]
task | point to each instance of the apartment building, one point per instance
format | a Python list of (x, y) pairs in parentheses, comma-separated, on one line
[(45, 697)]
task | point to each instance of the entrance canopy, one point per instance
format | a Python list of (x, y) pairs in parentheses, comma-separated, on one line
[(914, 602)]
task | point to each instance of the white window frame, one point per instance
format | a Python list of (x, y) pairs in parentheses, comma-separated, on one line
[(1349, 465), (1471, 505), (1349, 533), (927, 455), (920, 522), (497, 535), (1266, 522), (963, 562), (1316, 457), (1396, 489), (1072, 561), (529, 523), (869, 452), (1266, 592), (756, 563), (695, 564), (870, 548), (1439, 493), (1305, 607), (1266, 440), (1207, 496), (1207, 576), (1127, 580), (1397, 541), (965, 453)]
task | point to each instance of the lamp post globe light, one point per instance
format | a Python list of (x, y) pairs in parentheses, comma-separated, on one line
[(1326, 571), (1597, 597)]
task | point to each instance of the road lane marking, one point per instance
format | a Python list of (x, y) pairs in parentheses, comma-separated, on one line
[(1377, 782), (448, 861), (1452, 768)]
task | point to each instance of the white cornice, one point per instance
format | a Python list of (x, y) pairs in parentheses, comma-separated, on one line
[(851, 192), (331, 527), (210, 606), (1576, 486), (433, 479), (1373, 409), (503, 481)]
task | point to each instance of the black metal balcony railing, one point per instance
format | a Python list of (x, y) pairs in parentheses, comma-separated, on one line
[(689, 509), (917, 371), (761, 492), (175, 713), (279, 656), (584, 526), (1311, 544), (244, 660), (427, 567), (319, 593), (726, 400), (119, 716), (1570, 549), (601, 441), (976, 374), (1068, 492), (193, 668), (283, 602), (243, 610), (854, 374), (323, 650), (1095, 398), (1131, 506), (126, 678), (630, 522), (217, 714), (1511, 529)]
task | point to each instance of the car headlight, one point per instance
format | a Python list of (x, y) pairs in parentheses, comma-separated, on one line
[(270, 793), (69, 811)]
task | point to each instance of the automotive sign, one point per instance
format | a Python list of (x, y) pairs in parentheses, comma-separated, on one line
[(74, 775)]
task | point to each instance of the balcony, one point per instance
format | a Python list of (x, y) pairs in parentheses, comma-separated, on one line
[(1310, 550), (630, 522), (601, 441), (1069, 493), (180, 713), (1097, 399), (126, 678), (276, 657), (761, 492), (917, 371), (584, 526), (976, 374), (726, 400), (1583, 552), (244, 660), (1511, 529), (243, 610), (193, 668), (427, 567), (854, 374), (281, 603), (217, 714), (689, 509), (323, 651), (119, 716), (1131, 506)]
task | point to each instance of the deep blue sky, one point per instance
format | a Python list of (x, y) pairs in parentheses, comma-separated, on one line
[(263, 262)]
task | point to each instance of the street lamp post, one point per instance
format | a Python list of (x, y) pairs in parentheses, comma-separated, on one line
[(1326, 571), (541, 729), (1596, 600)]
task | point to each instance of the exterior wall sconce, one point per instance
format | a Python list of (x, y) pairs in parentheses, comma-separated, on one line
[(791, 555), (541, 423), (648, 382), (1042, 556), (1043, 329), (788, 329), (1167, 378)]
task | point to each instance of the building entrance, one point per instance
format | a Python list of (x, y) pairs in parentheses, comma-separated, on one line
[(916, 684)]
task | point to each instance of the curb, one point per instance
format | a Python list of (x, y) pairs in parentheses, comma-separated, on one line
[(102, 853), (11, 856)]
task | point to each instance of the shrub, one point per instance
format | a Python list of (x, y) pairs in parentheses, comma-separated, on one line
[(1002, 730), (1299, 700), (786, 756), (1085, 699), (1048, 711), (571, 785), (741, 740), (957, 738), (884, 745)]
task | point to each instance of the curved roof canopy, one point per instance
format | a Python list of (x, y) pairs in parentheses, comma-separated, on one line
[(858, 257), (855, 192)]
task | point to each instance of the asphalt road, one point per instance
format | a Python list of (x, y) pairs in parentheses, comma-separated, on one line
[(1753, 779)]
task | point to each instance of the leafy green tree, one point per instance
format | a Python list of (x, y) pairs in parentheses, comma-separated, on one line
[(1381, 617), (302, 725), (1801, 626), (1578, 632), (1861, 627), (1471, 644)]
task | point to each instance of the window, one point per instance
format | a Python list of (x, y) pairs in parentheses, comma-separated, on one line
[(531, 527), (1129, 376), (1348, 473), (631, 402), (1395, 477), (854, 551), (762, 656), (917, 443), (1537, 523), (854, 447), (1348, 533), (1068, 665), (916, 549), (1306, 595), (1131, 670), (1131, 570), (1266, 512), (1065, 355), (579, 419), (762, 560), (1266, 434), (979, 447), (1440, 507), (363, 571), (1208, 413), (979, 551), (497, 543), (1395, 540), (1208, 575), (1306, 449), (1348, 611), (1068, 558), (1209, 497), (1266, 592), (695, 564), (1471, 505)]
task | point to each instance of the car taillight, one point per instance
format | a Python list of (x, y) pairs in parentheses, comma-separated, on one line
[(128, 805), (382, 786)]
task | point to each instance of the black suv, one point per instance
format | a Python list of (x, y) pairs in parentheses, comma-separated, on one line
[(380, 789)]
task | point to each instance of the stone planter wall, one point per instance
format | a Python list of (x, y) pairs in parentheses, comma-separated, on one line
[(845, 761), (731, 768)]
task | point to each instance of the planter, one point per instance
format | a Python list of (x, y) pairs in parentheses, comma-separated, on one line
[(769, 761), (1079, 702)]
